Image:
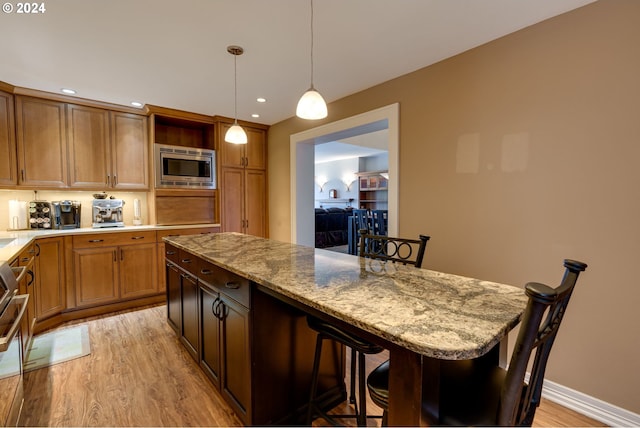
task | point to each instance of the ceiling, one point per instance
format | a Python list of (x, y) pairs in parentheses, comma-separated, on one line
[(173, 53)]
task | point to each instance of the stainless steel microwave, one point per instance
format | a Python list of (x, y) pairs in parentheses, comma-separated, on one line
[(185, 167)]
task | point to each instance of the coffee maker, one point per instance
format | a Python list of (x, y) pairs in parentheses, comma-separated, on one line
[(66, 214), (107, 213)]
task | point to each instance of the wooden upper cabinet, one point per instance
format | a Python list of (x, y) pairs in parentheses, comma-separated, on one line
[(42, 142), (129, 152), (251, 155), (8, 175), (89, 146)]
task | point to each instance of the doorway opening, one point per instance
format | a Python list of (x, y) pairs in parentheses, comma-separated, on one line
[(302, 166)]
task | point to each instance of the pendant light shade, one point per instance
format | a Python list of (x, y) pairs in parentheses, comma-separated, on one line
[(311, 105), (235, 134)]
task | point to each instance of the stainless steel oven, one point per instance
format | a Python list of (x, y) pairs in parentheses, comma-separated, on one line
[(185, 167), (11, 357)]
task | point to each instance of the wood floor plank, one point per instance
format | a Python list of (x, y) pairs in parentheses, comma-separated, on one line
[(138, 374)]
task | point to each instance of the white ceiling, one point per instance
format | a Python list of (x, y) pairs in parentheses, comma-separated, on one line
[(369, 144), (173, 53)]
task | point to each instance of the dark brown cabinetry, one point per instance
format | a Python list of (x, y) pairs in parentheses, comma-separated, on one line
[(243, 182), (256, 349), (8, 176), (209, 308)]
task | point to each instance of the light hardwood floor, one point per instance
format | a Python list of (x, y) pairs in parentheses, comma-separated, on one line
[(138, 374)]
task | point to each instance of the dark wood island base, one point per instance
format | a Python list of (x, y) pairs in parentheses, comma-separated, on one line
[(239, 304)]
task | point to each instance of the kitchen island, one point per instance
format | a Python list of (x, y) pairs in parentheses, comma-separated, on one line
[(421, 316)]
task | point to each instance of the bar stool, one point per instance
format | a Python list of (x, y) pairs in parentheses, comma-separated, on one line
[(359, 348), (405, 251)]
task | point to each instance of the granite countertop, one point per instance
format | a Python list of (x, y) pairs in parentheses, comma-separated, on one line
[(432, 313), (13, 242)]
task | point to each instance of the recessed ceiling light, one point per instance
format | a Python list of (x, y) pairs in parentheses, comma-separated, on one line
[(261, 100), (136, 104), (255, 115), (68, 91)]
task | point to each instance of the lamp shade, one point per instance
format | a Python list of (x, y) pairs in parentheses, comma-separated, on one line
[(235, 135), (311, 105)]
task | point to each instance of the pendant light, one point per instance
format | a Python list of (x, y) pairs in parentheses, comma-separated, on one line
[(235, 134), (311, 105)]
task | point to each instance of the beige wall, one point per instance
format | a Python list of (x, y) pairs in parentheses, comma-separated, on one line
[(554, 111)]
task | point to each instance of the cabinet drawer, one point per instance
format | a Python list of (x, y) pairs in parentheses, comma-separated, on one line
[(188, 262), (27, 255), (92, 240), (226, 282), (171, 253), (186, 231)]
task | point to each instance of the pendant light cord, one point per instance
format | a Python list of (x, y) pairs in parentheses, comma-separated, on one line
[(312, 44), (235, 88)]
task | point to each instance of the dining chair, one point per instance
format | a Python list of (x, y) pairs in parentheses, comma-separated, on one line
[(480, 394), (359, 347)]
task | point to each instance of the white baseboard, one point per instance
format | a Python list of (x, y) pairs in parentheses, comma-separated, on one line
[(589, 406)]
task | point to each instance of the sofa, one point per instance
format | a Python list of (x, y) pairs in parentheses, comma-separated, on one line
[(331, 226)]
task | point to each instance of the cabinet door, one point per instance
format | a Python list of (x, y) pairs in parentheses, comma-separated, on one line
[(8, 175), (189, 290), (236, 356), (230, 154), (256, 149), (251, 155), (232, 199), (138, 272), (174, 305), (130, 152), (255, 212), (88, 146), (95, 275), (49, 285), (26, 259), (42, 142), (210, 339)]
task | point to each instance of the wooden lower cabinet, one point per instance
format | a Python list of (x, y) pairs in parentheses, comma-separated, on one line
[(138, 273), (256, 350), (174, 304), (235, 353), (189, 309), (96, 275), (50, 296), (225, 350), (110, 268), (26, 259)]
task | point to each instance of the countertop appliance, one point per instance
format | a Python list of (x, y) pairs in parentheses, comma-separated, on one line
[(12, 312), (185, 167), (66, 214), (107, 213), (40, 215)]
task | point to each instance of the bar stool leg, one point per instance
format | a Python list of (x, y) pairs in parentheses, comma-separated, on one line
[(362, 393), (314, 379), (352, 395)]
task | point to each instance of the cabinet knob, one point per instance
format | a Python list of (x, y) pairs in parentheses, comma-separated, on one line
[(186, 261), (170, 253), (137, 237), (232, 285), (205, 272), (96, 240)]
